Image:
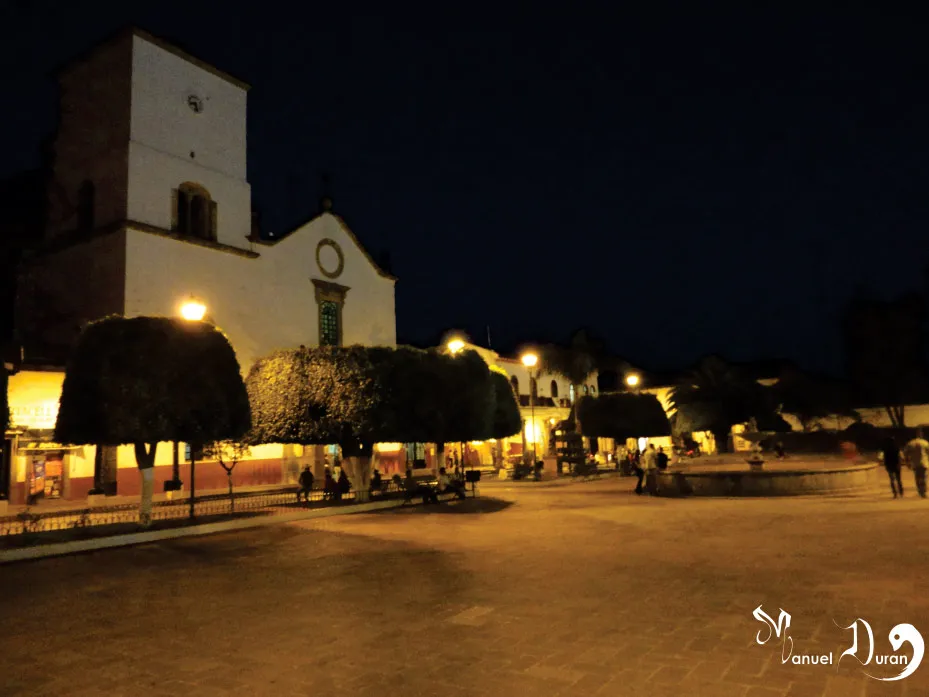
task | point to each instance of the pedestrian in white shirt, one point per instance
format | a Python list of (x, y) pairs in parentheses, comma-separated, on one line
[(917, 456), (650, 465)]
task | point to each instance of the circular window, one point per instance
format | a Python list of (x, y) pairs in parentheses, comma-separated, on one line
[(329, 258)]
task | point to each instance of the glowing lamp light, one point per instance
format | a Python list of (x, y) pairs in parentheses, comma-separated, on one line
[(193, 310), (529, 360), (632, 380), (455, 345)]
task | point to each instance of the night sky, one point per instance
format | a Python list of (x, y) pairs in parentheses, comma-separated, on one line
[(680, 185)]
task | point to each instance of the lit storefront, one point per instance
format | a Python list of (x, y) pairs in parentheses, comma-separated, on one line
[(36, 467)]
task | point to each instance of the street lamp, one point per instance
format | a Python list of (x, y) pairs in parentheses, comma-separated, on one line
[(633, 380), (455, 346), (530, 360), (192, 310)]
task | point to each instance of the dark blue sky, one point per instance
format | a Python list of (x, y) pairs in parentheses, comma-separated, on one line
[(681, 185)]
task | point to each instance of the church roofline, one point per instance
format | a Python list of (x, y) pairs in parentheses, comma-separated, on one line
[(346, 229), (160, 43)]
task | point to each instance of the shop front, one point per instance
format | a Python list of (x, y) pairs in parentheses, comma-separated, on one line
[(35, 467)]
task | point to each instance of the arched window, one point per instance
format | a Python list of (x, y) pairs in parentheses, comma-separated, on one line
[(571, 393), (514, 381), (586, 390), (194, 212), (554, 390)]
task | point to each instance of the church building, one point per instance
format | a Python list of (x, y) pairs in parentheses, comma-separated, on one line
[(149, 208)]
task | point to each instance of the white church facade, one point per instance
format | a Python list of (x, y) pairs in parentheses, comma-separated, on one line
[(149, 206)]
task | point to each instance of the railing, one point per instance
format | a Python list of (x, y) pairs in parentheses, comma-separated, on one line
[(267, 502)]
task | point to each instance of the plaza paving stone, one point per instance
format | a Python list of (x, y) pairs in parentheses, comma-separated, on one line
[(575, 590)]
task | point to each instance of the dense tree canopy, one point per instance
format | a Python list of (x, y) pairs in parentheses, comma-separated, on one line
[(4, 400), (575, 362), (623, 415), (811, 398), (150, 379), (143, 380), (507, 419), (716, 396), (357, 396), (885, 347)]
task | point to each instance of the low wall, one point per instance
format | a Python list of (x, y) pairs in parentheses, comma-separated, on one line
[(773, 482)]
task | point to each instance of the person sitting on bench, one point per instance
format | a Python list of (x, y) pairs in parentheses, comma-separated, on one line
[(447, 484)]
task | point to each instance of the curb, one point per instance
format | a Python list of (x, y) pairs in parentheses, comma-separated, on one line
[(138, 538)]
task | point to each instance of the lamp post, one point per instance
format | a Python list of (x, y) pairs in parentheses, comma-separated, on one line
[(455, 345), (633, 380), (530, 360), (192, 310)]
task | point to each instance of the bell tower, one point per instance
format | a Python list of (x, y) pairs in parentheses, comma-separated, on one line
[(150, 134)]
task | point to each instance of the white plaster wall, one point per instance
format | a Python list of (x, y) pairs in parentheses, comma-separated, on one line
[(252, 310), (369, 314), (261, 304), (154, 174), (544, 380), (161, 118)]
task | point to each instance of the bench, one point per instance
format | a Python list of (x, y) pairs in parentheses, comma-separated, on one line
[(429, 493)]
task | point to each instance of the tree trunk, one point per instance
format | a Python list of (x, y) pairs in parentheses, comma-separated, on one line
[(577, 416), (897, 416), (439, 458), (358, 469), (231, 494), (145, 460), (98, 470), (722, 440)]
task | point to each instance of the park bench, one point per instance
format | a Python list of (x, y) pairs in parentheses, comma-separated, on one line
[(428, 491)]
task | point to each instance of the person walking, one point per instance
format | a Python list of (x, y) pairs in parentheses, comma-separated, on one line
[(890, 454), (917, 455), (306, 484), (650, 460), (639, 472)]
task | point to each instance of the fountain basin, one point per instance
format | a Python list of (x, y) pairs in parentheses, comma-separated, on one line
[(780, 478)]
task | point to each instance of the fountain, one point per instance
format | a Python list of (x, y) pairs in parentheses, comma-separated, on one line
[(738, 475)]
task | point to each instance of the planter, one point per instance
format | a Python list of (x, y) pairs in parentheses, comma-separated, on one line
[(756, 464)]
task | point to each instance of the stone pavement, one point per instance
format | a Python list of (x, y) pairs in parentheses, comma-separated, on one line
[(580, 590)]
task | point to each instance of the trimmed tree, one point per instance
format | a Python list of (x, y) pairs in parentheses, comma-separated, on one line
[(4, 399), (466, 404), (622, 415), (144, 380), (228, 453), (716, 396), (357, 396), (507, 419), (812, 399), (885, 352), (575, 363)]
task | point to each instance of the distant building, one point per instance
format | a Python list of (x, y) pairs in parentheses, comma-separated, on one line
[(148, 205), (545, 400)]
